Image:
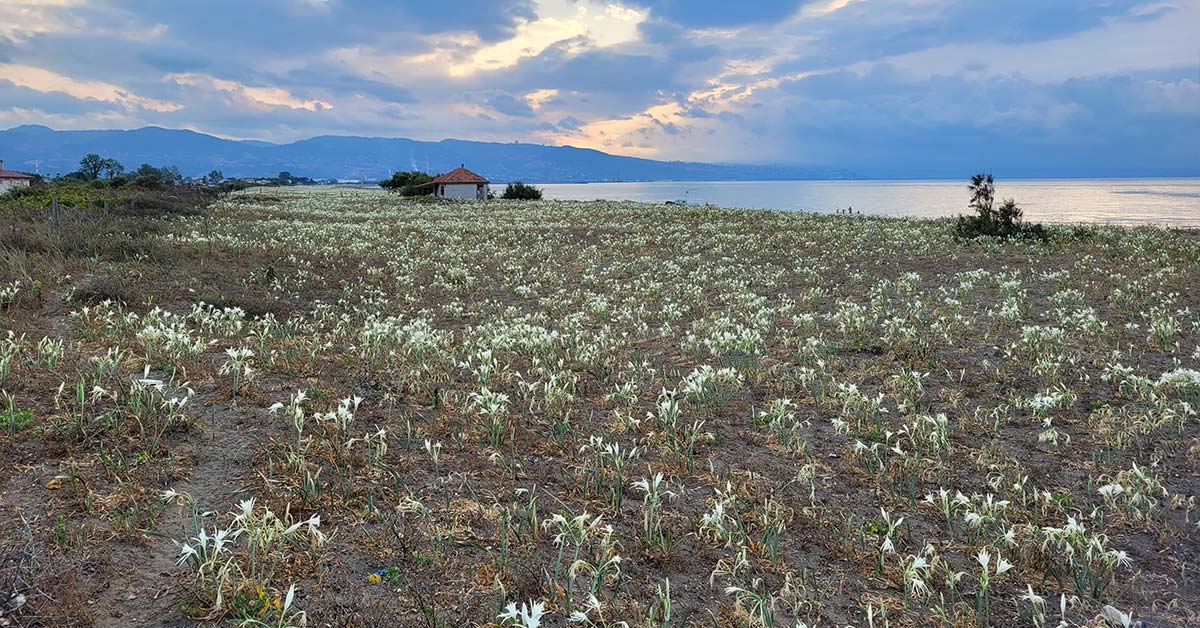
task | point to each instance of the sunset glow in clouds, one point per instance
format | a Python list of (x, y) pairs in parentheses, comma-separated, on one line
[(856, 83)]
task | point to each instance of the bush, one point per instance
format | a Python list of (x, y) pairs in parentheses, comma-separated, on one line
[(147, 182), (521, 192), (413, 183), (229, 187), (1002, 222)]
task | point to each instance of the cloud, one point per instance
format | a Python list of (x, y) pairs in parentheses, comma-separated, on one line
[(572, 26), (569, 123), (1132, 45), (28, 18), (17, 96), (865, 84), (721, 13), (175, 58), (43, 80), (258, 97), (507, 104)]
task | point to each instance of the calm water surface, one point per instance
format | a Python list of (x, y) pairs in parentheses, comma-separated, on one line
[(1173, 202)]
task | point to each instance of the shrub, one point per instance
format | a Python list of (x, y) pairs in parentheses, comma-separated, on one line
[(413, 183), (521, 192), (1002, 222), (147, 182), (229, 187)]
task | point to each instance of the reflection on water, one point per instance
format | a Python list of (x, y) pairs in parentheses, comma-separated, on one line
[(1174, 202)]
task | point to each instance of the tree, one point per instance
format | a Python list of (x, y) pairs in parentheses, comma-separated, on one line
[(284, 177), (414, 183), (147, 176), (1003, 222), (112, 168), (1009, 215), (214, 178), (91, 166), (519, 191), (170, 174), (983, 194)]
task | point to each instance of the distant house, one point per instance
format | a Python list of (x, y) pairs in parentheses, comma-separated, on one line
[(461, 183), (10, 179)]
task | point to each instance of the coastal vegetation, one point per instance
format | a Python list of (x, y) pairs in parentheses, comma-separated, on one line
[(519, 191), (414, 183), (1004, 221), (291, 406)]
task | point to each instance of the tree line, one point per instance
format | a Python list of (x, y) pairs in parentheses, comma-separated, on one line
[(94, 167)]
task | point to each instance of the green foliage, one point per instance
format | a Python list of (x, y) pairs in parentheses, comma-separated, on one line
[(131, 198), (16, 419), (112, 167), (1002, 222), (149, 177), (519, 191), (14, 196), (68, 192), (83, 189), (93, 165), (287, 178), (414, 183), (228, 187)]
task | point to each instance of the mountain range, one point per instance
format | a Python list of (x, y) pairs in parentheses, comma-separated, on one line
[(47, 151)]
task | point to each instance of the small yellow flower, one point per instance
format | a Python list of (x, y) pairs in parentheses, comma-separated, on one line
[(374, 578)]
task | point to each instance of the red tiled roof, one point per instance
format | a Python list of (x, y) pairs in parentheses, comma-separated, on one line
[(12, 174), (460, 175)]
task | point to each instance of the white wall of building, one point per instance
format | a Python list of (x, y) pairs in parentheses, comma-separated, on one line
[(461, 190), (8, 184)]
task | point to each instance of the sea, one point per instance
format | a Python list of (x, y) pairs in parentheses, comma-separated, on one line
[(1167, 202)]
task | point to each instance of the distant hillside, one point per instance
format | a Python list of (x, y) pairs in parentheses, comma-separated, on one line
[(362, 157)]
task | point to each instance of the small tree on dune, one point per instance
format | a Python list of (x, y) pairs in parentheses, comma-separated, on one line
[(1001, 222), (983, 195)]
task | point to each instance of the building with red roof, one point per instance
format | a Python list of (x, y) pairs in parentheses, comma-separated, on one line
[(10, 179), (461, 183)]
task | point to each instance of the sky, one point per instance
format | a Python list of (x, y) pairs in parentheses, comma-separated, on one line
[(879, 86)]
